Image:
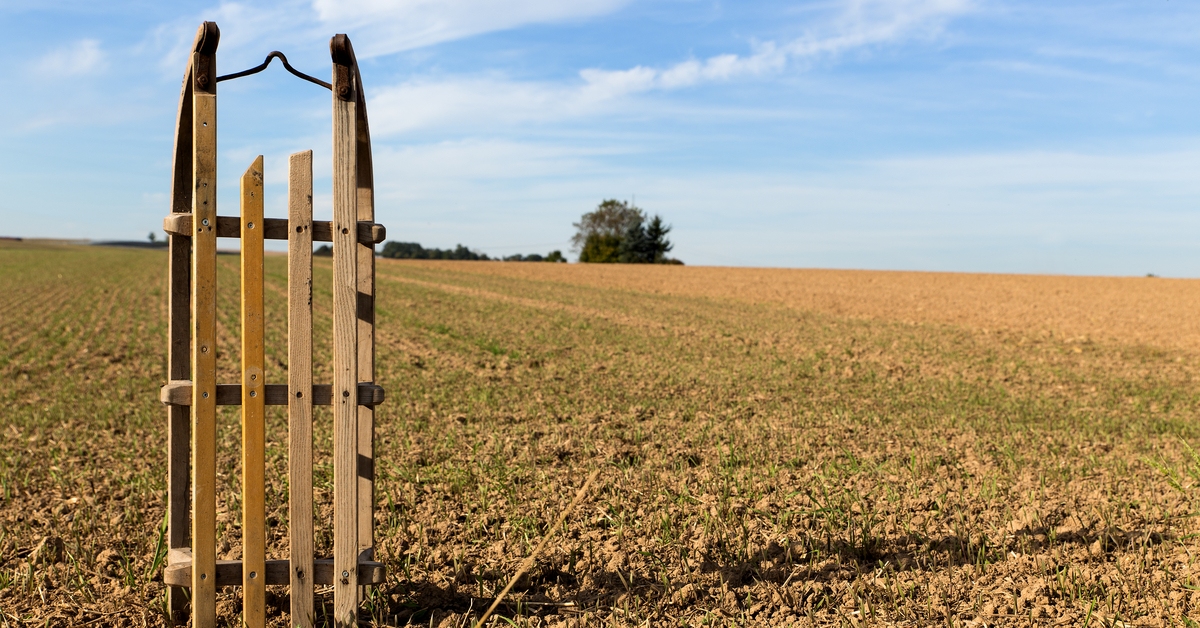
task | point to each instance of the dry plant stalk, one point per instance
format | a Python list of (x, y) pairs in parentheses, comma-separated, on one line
[(538, 550)]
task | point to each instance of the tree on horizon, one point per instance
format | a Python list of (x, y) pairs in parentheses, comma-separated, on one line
[(618, 232)]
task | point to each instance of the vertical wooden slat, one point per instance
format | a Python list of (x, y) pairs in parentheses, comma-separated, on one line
[(366, 327), (300, 514), (204, 324), (254, 513), (345, 341), (179, 259)]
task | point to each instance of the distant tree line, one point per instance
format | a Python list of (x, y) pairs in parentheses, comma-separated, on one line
[(618, 232), (615, 232), (413, 250), (553, 256)]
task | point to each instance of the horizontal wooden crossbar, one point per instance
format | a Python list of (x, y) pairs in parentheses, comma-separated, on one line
[(179, 393), (369, 233), (229, 572)]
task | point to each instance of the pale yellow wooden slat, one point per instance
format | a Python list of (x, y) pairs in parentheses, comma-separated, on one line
[(366, 323), (179, 357), (254, 512), (300, 399), (204, 347), (345, 343)]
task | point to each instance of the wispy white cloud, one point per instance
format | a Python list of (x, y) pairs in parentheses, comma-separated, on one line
[(288, 25), (378, 27), (79, 58), (490, 100), (387, 26), (857, 24)]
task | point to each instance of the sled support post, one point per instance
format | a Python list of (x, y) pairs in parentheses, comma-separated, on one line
[(254, 509), (204, 328), (194, 573), (345, 339), (300, 401)]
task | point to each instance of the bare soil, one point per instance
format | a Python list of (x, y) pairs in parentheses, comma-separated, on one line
[(1131, 310), (776, 447)]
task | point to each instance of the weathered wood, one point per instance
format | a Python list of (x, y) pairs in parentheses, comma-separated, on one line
[(179, 393), (204, 326), (345, 339), (193, 394), (181, 161), (365, 181), (178, 498), (254, 511), (277, 229), (300, 482), (229, 573), (179, 288)]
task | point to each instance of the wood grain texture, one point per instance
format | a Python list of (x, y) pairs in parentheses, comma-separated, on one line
[(254, 512), (179, 288), (276, 229), (182, 153), (365, 182), (300, 398), (204, 352), (179, 393), (345, 361)]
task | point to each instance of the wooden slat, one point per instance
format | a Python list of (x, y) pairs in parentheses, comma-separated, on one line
[(366, 323), (300, 398), (204, 337), (369, 232), (179, 260), (254, 511), (179, 393), (345, 341), (229, 573)]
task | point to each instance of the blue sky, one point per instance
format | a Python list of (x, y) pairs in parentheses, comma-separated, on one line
[(960, 135)]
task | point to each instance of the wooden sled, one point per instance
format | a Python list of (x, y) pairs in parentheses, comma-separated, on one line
[(193, 572)]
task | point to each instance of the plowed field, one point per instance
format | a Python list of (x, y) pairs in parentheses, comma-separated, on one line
[(775, 447)]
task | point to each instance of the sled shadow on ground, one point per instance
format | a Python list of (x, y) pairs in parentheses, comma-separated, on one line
[(462, 599)]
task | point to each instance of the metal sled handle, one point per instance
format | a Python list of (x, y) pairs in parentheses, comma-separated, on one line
[(287, 66)]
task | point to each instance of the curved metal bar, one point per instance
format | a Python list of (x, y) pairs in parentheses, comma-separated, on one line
[(287, 66)]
